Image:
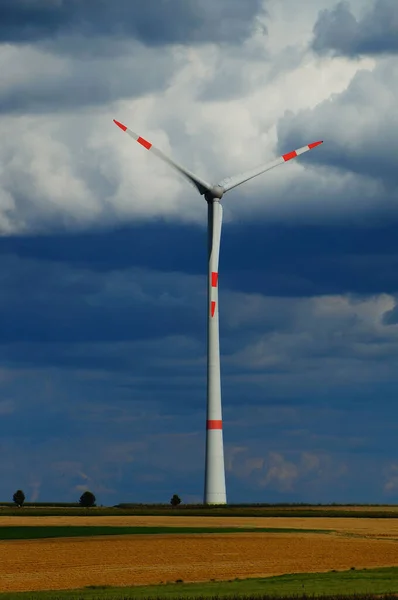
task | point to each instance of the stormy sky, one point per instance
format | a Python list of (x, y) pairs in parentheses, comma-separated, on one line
[(103, 248)]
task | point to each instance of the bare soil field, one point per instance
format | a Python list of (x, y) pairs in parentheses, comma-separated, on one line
[(129, 560), (67, 563)]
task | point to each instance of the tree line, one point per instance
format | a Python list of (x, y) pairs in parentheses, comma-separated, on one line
[(87, 499)]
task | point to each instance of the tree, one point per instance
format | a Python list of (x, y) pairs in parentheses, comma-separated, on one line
[(87, 499), (19, 498), (175, 501)]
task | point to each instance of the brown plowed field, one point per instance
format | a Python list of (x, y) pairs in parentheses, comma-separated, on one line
[(127, 560)]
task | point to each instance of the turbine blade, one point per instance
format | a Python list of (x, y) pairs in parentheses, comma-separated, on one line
[(201, 185), (234, 181), (215, 226)]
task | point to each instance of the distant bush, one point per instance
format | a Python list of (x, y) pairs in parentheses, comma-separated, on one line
[(19, 498), (87, 499), (175, 501)]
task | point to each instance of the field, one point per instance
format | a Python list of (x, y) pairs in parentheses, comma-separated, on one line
[(136, 558), (258, 510), (341, 585)]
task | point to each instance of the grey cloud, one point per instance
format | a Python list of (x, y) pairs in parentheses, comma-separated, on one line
[(96, 393), (338, 30), (154, 22), (285, 471), (360, 131), (232, 79), (52, 84), (390, 317), (332, 338), (152, 324)]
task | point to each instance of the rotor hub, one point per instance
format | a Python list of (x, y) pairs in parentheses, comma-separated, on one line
[(217, 192)]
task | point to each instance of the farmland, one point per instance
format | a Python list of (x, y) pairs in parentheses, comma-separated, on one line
[(341, 585), (277, 546), (259, 510)]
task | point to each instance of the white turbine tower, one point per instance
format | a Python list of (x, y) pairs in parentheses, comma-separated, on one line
[(214, 492)]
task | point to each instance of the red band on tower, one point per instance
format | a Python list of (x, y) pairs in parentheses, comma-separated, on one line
[(213, 308), (144, 143), (213, 424), (214, 279), (289, 155)]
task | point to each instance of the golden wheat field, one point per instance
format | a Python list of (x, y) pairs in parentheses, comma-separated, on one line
[(143, 559)]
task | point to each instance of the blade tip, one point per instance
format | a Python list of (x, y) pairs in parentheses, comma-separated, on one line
[(315, 144), (122, 127)]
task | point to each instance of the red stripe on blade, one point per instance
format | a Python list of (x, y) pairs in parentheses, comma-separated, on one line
[(314, 144), (144, 143), (123, 127), (213, 308), (289, 155), (213, 424), (214, 279)]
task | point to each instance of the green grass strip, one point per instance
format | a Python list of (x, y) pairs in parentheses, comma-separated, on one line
[(339, 585), (23, 532)]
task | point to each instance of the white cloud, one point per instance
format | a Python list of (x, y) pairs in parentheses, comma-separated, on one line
[(361, 131), (217, 114)]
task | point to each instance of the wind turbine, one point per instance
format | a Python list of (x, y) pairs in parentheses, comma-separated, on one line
[(214, 492)]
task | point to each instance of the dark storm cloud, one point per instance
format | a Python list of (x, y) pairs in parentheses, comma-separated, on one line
[(338, 30), (78, 83), (89, 52), (100, 333), (90, 301), (154, 22), (77, 305), (297, 260)]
